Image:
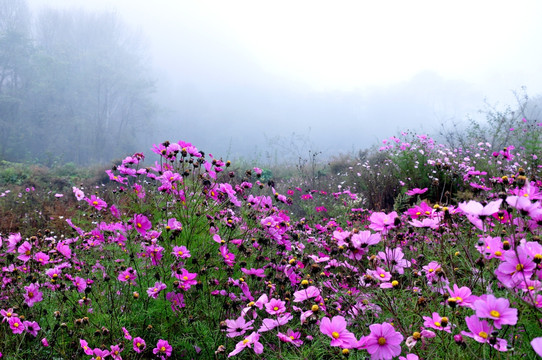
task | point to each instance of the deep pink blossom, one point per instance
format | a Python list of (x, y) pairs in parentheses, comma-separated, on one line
[(96, 202), (139, 344), (383, 342), (497, 309), (33, 295), (336, 330), (163, 349), (251, 341)]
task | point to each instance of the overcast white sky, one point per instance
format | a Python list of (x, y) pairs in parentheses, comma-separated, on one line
[(489, 47), (349, 44)]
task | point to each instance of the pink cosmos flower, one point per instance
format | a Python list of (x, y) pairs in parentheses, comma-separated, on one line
[(16, 325), (25, 251), (127, 335), (497, 309), (181, 252), (139, 345), (163, 349), (7, 314), (41, 258), (275, 307), (383, 222), (308, 293), (176, 300), (33, 295), (536, 343), (431, 270), (186, 279), (84, 346), (336, 330), (463, 296), (99, 354), (292, 337), (228, 256), (515, 268), (32, 327), (115, 352), (251, 341), (435, 322), (154, 291), (480, 331), (270, 324), (128, 275), (96, 202), (79, 194), (394, 259), (416, 191), (383, 342), (238, 327), (142, 224)]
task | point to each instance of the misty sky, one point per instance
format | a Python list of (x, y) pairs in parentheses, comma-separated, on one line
[(234, 75)]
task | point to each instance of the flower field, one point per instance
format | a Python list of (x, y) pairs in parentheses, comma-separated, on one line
[(189, 257)]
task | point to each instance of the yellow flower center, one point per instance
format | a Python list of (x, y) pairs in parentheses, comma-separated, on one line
[(431, 270), (163, 349), (382, 275), (27, 252), (416, 335), (94, 202), (495, 313), (381, 341), (314, 308), (180, 253), (335, 335), (437, 324), (276, 308), (519, 267), (139, 225), (498, 253), (16, 325), (185, 277), (482, 334), (245, 341), (30, 294)]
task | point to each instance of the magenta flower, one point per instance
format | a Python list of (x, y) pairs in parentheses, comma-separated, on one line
[(41, 258), (435, 322), (32, 327), (99, 354), (275, 307), (181, 252), (536, 343), (139, 345), (16, 325), (115, 352), (25, 251), (96, 202), (7, 314), (480, 331), (383, 342), (128, 275), (142, 224), (126, 333), (32, 295), (84, 346), (154, 291), (176, 300), (416, 191), (292, 337), (515, 268), (463, 296), (186, 279), (228, 256), (497, 309), (238, 327), (79, 194), (336, 330), (383, 222), (251, 341), (308, 293), (162, 348)]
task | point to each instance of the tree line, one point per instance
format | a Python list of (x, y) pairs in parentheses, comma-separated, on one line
[(74, 86)]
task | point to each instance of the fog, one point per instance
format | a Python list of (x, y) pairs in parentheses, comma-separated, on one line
[(240, 78)]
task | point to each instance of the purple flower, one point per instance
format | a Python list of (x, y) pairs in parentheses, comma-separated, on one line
[(154, 291), (162, 348), (497, 309), (336, 330)]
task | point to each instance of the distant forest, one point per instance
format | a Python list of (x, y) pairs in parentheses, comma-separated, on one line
[(74, 86)]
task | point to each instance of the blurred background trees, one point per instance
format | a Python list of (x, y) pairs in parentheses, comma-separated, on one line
[(74, 86)]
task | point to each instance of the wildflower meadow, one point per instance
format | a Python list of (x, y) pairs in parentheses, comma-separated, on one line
[(179, 254)]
